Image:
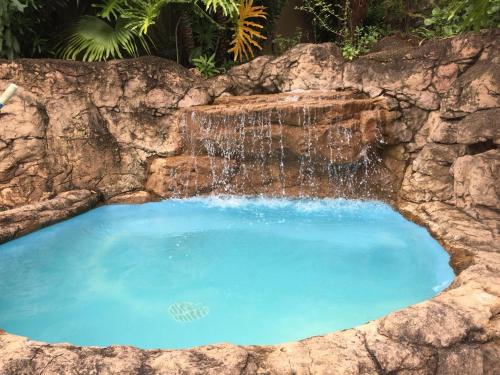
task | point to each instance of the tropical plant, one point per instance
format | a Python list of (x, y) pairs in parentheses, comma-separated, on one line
[(363, 39), (246, 32), (327, 15), (205, 34), (457, 16), (93, 39), (206, 65), (474, 14), (9, 10), (438, 25), (228, 7), (140, 15), (120, 28)]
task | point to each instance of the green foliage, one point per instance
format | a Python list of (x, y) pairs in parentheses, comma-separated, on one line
[(396, 14), (93, 39), (361, 42), (206, 65), (110, 9), (140, 15), (118, 30), (282, 44), (228, 7), (438, 25), (9, 10), (205, 33), (457, 16)]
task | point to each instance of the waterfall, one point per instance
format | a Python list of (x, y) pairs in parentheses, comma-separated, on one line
[(296, 144)]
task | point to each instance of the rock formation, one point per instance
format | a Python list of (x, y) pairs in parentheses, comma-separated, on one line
[(316, 143), (425, 118)]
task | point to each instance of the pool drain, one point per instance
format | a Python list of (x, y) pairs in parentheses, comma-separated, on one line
[(188, 311)]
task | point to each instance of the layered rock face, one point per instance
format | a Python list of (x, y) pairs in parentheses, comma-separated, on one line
[(416, 126), (88, 126), (319, 143), (316, 144), (418, 109)]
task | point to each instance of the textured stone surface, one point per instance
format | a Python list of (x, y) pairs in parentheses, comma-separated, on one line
[(441, 152), (24, 219), (95, 125), (278, 144), (188, 176), (477, 180)]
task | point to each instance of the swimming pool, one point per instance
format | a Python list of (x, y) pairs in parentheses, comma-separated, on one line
[(187, 272)]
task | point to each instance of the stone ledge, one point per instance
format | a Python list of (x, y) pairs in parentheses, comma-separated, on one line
[(25, 219)]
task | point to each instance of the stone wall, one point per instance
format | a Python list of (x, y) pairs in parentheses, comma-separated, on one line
[(88, 126), (447, 94), (115, 128), (125, 114)]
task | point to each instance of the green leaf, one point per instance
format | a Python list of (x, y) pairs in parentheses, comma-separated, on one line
[(93, 39), (228, 7), (110, 9)]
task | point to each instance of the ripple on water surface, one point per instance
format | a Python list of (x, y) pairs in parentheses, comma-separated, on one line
[(188, 272)]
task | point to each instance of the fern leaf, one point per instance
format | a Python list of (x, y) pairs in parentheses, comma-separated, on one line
[(247, 32)]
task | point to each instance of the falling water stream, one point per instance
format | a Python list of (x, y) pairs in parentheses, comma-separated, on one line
[(258, 152)]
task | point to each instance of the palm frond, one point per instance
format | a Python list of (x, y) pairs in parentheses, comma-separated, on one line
[(229, 7), (247, 32), (93, 39), (141, 14)]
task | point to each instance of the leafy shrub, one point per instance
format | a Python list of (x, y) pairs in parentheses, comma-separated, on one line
[(117, 30), (228, 7), (327, 16), (206, 65), (120, 28), (361, 42), (457, 16), (10, 10)]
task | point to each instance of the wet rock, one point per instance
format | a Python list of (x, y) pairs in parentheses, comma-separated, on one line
[(136, 197), (183, 176), (24, 219)]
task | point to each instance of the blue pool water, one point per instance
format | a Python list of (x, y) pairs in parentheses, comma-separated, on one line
[(182, 273)]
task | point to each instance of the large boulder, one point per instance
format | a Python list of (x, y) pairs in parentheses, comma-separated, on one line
[(477, 180)]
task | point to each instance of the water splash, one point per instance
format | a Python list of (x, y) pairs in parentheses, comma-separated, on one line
[(280, 149)]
